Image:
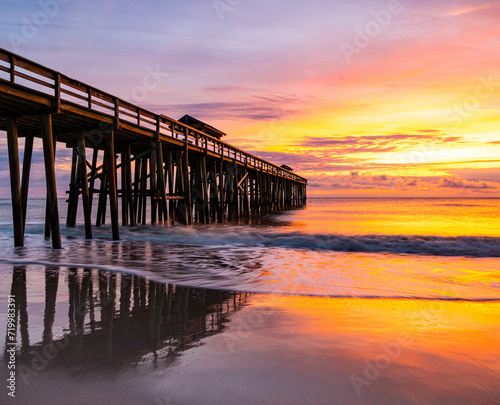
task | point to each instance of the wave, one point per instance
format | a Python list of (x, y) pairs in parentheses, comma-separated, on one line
[(470, 246), (272, 237)]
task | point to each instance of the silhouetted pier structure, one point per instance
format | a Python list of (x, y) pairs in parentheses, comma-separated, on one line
[(123, 151)]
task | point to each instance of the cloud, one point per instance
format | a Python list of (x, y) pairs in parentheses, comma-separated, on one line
[(467, 10), (377, 143), (430, 185), (256, 106), (366, 181), (456, 182)]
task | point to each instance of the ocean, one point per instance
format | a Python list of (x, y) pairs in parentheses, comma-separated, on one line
[(346, 300)]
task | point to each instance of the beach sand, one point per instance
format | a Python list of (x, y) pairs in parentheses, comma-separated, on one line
[(88, 336)]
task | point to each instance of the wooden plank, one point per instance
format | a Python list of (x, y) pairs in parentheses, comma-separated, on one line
[(75, 95), (25, 94), (35, 68), (34, 79), (15, 187), (102, 95)]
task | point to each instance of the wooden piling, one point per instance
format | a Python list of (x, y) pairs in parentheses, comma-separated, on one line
[(137, 180), (170, 168), (93, 172), (204, 189), (222, 190), (180, 190), (214, 198), (47, 210), (187, 184), (15, 187), (161, 181), (73, 191), (125, 161), (84, 185), (128, 174), (50, 176), (111, 168), (28, 153), (152, 186), (144, 189), (101, 207)]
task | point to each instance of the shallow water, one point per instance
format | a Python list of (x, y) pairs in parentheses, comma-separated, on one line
[(318, 250), (365, 301)]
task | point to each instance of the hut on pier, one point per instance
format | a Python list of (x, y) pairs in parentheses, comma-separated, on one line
[(201, 126)]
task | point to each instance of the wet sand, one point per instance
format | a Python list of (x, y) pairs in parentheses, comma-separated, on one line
[(88, 336)]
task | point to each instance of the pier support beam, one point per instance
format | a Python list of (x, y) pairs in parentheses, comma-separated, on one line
[(187, 186), (152, 185), (101, 205), (161, 182), (82, 160), (111, 168), (169, 168), (47, 210), (28, 153), (222, 208), (15, 187), (125, 161), (50, 176), (73, 191)]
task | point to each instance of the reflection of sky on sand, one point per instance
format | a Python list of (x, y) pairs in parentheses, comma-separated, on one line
[(124, 339)]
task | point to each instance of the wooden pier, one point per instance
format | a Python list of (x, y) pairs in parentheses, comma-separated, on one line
[(122, 151)]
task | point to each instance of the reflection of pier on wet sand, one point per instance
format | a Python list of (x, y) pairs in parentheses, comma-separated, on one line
[(116, 318)]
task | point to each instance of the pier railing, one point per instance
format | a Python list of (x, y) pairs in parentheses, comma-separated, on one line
[(67, 91)]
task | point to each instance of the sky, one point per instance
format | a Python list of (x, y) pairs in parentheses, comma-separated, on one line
[(363, 98)]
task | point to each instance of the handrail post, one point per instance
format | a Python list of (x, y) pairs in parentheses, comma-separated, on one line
[(57, 92), (12, 69), (117, 113)]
